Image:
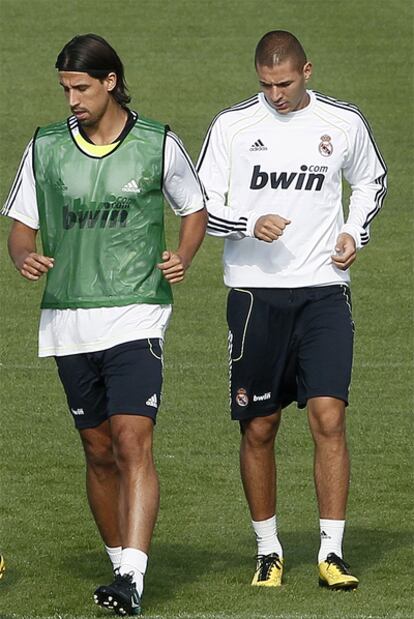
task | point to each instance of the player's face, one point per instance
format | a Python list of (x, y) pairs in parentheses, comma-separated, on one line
[(88, 97), (284, 85)]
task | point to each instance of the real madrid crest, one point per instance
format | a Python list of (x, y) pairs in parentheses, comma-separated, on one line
[(325, 146), (242, 398)]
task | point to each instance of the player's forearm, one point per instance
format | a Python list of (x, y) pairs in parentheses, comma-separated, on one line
[(225, 222), (22, 249), (366, 172), (192, 232), (365, 203), (21, 243)]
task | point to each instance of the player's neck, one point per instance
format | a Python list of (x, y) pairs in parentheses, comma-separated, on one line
[(109, 127), (304, 102)]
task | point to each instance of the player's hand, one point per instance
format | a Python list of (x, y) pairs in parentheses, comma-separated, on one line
[(35, 265), (269, 228), (345, 251), (174, 267)]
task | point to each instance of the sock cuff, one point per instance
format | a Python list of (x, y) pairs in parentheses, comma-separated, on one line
[(266, 536), (134, 557), (113, 549), (327, 522), (268, 521)]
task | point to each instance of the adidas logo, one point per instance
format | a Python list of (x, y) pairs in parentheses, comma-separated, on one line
[(152, 401), (258, 145), (59, 185), (131, 187), (325, 535)]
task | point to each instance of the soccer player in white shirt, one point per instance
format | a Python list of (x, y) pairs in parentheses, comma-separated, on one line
[(272, 168), (109, 350)]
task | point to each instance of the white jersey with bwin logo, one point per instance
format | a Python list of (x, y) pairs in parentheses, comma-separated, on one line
[(255, 161)]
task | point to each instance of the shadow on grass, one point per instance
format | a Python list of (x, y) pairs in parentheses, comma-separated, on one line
[(229, 561), (210, 567), (92, 565), (363, 547), (173, 566)]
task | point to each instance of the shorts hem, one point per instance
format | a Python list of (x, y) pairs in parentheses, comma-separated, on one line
[(258, 413), (91, 425), (134, 413), (303, 402)]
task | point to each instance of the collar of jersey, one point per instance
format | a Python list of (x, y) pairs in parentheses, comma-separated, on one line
[(289, 117), (92, 150)]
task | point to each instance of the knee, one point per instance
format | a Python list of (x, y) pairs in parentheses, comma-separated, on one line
[(327, 422), (329, 433), (132, 450), (99, 454), (260, 432)]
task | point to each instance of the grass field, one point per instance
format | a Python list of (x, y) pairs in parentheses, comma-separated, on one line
[(185, 60)]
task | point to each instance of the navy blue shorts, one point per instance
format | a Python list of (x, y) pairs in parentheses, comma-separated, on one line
[(288, 345), (125, 379)]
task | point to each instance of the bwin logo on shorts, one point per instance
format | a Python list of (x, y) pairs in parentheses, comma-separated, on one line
[(262, 397), (77, 411)]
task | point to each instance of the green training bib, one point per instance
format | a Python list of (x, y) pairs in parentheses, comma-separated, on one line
[(102, 219)]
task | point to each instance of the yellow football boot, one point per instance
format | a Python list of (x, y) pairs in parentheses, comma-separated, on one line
[(2, 566), (269, 571), (334, 573)]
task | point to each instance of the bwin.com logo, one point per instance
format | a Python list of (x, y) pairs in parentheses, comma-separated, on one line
[(309, 178)]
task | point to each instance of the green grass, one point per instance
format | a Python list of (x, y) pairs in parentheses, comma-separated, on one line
[(185, 60)]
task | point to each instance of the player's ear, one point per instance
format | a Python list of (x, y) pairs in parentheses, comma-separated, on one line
[(110, 81), (307, 71)]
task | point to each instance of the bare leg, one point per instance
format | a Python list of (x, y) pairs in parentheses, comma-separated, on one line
[(102, 481), (331, 464), (258, 466), (138, 480)]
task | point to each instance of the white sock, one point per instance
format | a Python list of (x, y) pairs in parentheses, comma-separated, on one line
[(332, 533), (114, 554), (135, 561), (266, 537)]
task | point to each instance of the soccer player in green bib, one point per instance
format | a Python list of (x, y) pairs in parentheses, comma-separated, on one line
[(94, 186)]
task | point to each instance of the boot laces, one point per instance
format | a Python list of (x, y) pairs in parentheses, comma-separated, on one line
[(333, 559), (267, 562)]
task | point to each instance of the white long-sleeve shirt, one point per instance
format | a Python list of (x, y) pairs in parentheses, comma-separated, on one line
[(72, 331), (255, 161)]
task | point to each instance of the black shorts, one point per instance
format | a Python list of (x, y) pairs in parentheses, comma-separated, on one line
[(125, 379), (288, 345)]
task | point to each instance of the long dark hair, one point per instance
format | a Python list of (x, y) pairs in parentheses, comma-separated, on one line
[(91, 54)]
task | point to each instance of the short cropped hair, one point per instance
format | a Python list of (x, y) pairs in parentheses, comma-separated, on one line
[(278, 46), (91, 54)]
